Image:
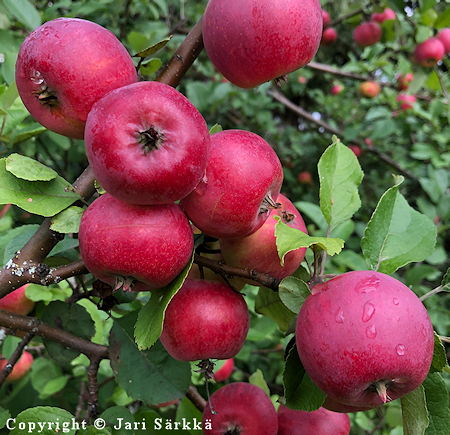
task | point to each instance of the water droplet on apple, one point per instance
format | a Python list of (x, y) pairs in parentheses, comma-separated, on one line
[(395, 301), (340, 315), (368, 311), (368, 285), (400, 349), (371, 331)]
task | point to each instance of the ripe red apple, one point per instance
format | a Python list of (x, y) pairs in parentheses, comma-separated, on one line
[(403, 81), (406, 101), (305, 177), (326, 18), (205, 320), (147, 143), (329, 36), (134, 246), (429, 52), (240, 408), (64, 67), (367, 34), (335, 406), (356, 150), (224, 372), (20, 369), (337, 89), (387, 14), (242, 182), (364, 338), (17, 302), (369, 89), (444, 36), (251, 43), (320, 422), (259, 250)]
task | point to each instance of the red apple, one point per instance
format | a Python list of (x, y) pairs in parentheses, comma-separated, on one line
[(387, 14), (302, 80), (329, 36), (147, 143), (326, 18), (429, 52), (205, 320), (17, 302), (242, 182), (356, 150), (335, 406), (403, 81), (20, 369), (251, 43), (364, 338), (138, 247), (240, 408), (369, 89), (320, 422), (337, 89), (444, 36), (224, 372), (406, 101), (259, 250), (368, 141), (367, 34), (305, 177), (64, 67)]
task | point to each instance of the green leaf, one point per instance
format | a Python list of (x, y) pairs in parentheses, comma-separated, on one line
[(443, 20), (150, 320), (14, 240), (54, 419), (436, 394), (9, 96), (293, 293), (414, 412), (300, 391), (29, 169), (216, 128), (152, 376), (397, 234), (153, 48), (4, 415), (22, 134), (150, 67), (186, 410), (25, 12), (44, 198), (269, 304), (67, 221), (340, 175), (439, 361), (257, 379), (289, 239), (112, 416)]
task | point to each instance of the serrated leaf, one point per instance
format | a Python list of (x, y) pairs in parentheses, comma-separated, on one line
[(340, 175), (44, 198), (149, 324), (26, 133), (439, 361), (152, 376), (29, 169), (67, 221), (50, 415), (257, 379), (25, 12), (288, 239), (300, 391), (293, 293), (414, 412), (436, 394), (269, 304), (397, 234), (153, 48)]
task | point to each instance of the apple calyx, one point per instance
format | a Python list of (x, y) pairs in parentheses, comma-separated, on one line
[(268, 204), (46, 97), (234, 430), (287, 217), (381, 388), (124, 282), (150, 139)]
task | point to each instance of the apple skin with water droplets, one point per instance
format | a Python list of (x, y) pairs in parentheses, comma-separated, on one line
[(364, 338)]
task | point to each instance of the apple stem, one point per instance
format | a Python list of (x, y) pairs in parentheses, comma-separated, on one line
[(206, 366), (268, 204)]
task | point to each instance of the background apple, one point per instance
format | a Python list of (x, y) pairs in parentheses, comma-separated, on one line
[(64, 67), (205, 320), (17, 302), (225, 371), (326, 18), (320, 422), (242, 182), (369, 89), (133, 246), (20, 369), (444, 36), (337, 89), (280, 37), (403, 81), (240, 408), (367, 34), (147, 143), (356, 149), (364, 338), (329, 36), (380, 17), (429, 52), (406, 101)]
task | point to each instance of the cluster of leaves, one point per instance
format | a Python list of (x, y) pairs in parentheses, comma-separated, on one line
[(358, 215)]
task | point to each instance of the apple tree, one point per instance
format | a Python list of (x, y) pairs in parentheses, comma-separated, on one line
[(196, 214)]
